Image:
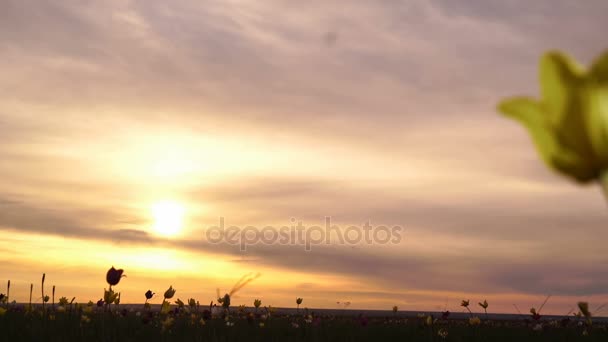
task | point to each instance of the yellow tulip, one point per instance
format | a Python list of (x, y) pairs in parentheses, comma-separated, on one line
[(569, 124)]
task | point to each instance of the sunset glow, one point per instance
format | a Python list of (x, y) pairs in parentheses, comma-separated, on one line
[(131, 130)]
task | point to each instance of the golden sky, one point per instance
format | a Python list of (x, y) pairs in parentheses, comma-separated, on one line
[(128, 128)]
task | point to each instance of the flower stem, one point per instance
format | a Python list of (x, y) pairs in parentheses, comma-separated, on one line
[(604, 183)]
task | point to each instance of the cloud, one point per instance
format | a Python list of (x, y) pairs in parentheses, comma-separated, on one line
[(375, 111)]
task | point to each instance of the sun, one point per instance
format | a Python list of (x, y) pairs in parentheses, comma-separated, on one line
[(168, 217)]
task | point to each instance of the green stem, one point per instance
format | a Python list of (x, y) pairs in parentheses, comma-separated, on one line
[(604, 183)]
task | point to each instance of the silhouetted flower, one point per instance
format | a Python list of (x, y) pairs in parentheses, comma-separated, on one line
[(113, 276), (170, 292), (100, 303), (465, 303), (149, 294)]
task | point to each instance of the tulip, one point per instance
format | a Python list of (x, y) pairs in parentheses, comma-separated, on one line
[(465, 304), (484, 305), (149, 294), (569, 124), (257, 303), (113, 276), (298, 301), (170, 292)]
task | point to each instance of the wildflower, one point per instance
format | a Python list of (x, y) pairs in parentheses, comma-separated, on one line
[(257, 303), (465, 304), (308, 319), (535, 315), (569, 124), (117, 299), (474, 321), (165, 307), (395, 309), (149, 294), (192, 302), (584, 309), (170, 292), (179, 303), (63, 301), (167, 323), (298, 301), (100, 303), (442, 333), (246, 279), (109, 296), (113, 276), (484, 304)]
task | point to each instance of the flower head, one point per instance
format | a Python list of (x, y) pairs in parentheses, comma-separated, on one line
[(109, 296), (113, 276), (170, 292), (298, 301), (484, 304), (257, 303), (584, 309), (569, 124), (395, 309), (465, 303), (474, 321), (149, 294)]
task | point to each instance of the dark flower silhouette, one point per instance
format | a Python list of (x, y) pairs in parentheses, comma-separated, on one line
[(113, 276), (149, 294), (100, 303)]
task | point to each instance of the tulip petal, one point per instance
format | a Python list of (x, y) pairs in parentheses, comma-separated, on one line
[(558, 157), (597, 123), (527, 111), (558, 76), (599, 69), (562, 84)]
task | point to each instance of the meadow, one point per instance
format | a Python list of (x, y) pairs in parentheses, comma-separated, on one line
[(178, 320)]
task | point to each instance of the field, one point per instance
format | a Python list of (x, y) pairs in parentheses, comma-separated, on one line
[(176, 320), (183, 323)]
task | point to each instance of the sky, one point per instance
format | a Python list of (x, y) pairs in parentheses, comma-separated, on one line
[(264, 111)]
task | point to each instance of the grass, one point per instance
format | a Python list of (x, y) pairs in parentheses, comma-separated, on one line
[(92, 323), (108, 320)]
